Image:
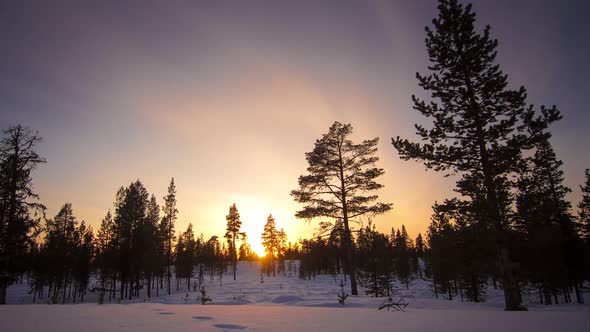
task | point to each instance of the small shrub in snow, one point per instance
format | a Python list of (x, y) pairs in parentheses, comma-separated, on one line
[(204, 297), (397, 305), (342, 295)]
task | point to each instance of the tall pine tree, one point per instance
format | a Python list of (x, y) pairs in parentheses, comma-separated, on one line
[(480, 127)]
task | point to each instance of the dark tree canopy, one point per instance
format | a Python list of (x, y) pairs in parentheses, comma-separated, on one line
[(341, 176)]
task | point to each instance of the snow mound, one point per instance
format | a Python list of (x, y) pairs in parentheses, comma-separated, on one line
[(287, 299), (230, 326)]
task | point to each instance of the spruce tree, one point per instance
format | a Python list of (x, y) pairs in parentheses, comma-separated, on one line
[(19, 212), (584, 223), (419, 255), (178, 256), (185, 254), (402, 257), (154, 256), (552, 241), (130, 216), (584, 209), (271, 242), (105, 252), (480, 127), (282, 246), (84, 254), (167, 228), (443, 259), (420, 246), (340, 184), (375, 256), (233, 234), (245, 252), (60, 247)]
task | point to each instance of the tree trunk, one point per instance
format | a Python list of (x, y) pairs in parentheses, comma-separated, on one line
[(512, 296), (511, 289), (272, 264), (347, 235), (435, 289), (63, 300), (579, 296), (547, 297), (112, 290), (122, 291), (234, 256), (76, 286), (3, 286), (168, 276)]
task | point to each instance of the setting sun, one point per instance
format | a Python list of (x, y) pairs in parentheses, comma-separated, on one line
[(259, 250), (253, 214)]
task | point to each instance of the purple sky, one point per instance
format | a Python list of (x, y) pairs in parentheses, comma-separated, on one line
[(227, 96)]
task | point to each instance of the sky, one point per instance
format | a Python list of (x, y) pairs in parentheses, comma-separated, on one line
[(227, 96)]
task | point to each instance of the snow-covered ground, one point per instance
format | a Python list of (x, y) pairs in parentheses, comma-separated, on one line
[(146, 317), (286, 303)]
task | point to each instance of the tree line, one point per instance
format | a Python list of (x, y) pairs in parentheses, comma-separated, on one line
[(136, 247)]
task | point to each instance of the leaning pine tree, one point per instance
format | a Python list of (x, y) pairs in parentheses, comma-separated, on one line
[(480, 127), (339, 184)]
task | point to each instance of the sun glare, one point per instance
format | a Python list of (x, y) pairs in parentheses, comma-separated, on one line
[(258, 249)]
